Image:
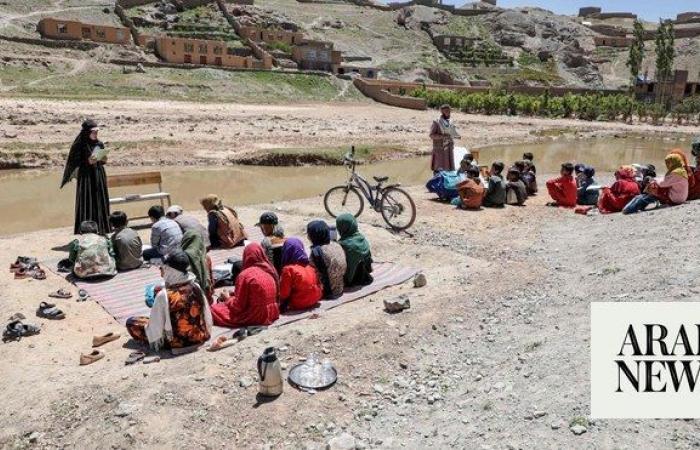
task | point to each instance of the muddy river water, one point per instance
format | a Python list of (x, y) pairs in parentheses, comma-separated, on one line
[(30, 199)]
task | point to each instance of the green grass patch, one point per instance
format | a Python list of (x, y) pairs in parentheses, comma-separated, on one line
[(206, 85)]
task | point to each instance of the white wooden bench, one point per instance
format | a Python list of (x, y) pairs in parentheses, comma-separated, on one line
[(138, 179)]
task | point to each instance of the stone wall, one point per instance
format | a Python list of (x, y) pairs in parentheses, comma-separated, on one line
[(375, 92), (126, 4), (77, 45), (612, 41), (589, 10)]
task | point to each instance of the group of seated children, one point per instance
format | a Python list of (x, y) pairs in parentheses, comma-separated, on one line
[(635, 188), (183, 314), (468, 188), (275, 275)]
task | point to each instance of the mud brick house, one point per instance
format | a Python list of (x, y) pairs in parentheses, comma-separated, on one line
[(205, 52), (612, 41), (317, 55), (450, 43), (73, 30), (271, 35), (681, 85), (364, 72)]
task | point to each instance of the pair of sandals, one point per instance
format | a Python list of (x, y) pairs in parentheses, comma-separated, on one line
[(135, 357), (223, 342), (50, 311), (16, 329), (27, 267)]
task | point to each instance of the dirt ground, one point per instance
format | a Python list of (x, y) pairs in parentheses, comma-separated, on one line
[(493, 354), (38, 133)]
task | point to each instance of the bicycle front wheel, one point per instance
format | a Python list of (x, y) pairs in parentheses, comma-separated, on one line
[(343, 199), (398, 209)]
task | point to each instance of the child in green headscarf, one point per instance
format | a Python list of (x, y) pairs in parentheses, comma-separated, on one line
[(357, 252)]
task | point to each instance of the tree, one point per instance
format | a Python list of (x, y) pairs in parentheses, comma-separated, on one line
[(636, 55), (665, 56)]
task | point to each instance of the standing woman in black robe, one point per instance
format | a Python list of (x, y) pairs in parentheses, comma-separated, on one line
[(91, 196)]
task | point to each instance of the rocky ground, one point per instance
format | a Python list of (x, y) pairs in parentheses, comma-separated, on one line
[(38, 133), (492, 354)]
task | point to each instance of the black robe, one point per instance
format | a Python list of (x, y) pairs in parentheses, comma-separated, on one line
[(91, 195)]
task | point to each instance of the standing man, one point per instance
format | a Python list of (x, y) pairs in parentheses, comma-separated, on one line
[(443, 134)]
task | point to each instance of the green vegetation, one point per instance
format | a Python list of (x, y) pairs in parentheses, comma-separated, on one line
[(281, 46), (585, 107), (636, 54), (665, 55), (205, 85), (323, 155), (527, 59)]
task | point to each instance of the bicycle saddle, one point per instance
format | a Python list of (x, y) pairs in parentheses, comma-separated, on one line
[(380, 179)]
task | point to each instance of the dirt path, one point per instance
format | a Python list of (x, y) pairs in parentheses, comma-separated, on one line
[(492, 354), (38, 132)]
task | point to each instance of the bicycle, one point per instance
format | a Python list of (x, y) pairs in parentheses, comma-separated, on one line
[(395, 205)]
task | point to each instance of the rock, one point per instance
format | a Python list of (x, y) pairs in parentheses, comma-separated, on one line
[(9, 135), (420, 280), (578, 429), (397, 305), (33, 437), (245, 382), (343, 442), (140, 68), (124, 409), (539, 414)]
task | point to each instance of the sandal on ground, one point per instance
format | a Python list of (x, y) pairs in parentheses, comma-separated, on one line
[(134, 357), (221, 343), (240, 334), (61, 293), (49, 311), (151, 359), (64, 266), (17, 316), (90, 358), (39, 274), (16, 330), (21, 274), (83, 295), (23, 262), (105, 338), (252, 331)]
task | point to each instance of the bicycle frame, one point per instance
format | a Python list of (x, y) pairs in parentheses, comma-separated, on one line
[(371, 193)]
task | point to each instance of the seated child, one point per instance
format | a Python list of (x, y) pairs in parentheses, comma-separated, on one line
[(471, 191), (254, 301), (516, 192), (612, 199), (225, 230), (91, 254), (358, 254), (300, 287), (273, 239), (180, 316), (126, 243), (563, 189), (694, 190), (495, 196), (587, 192)]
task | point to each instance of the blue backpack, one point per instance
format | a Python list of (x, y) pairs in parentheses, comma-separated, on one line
[(444, 184)]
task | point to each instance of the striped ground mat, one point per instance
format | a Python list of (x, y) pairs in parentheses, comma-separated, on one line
[(123, 296)]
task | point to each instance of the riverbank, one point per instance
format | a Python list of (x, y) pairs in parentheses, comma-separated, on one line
[(38, 133), (493, 353)]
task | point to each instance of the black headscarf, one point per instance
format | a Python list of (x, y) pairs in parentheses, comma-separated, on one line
[(320, 234), (77, 154)]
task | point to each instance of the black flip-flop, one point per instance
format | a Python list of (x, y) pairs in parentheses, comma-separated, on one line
[(50, 311), (240, 334), (252, 331), (134, 357), (83, 295)]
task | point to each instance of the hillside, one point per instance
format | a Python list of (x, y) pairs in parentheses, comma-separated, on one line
[(528, 46)]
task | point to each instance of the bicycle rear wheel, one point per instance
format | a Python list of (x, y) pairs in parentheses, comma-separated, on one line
[(343, 199), (398, 209)]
